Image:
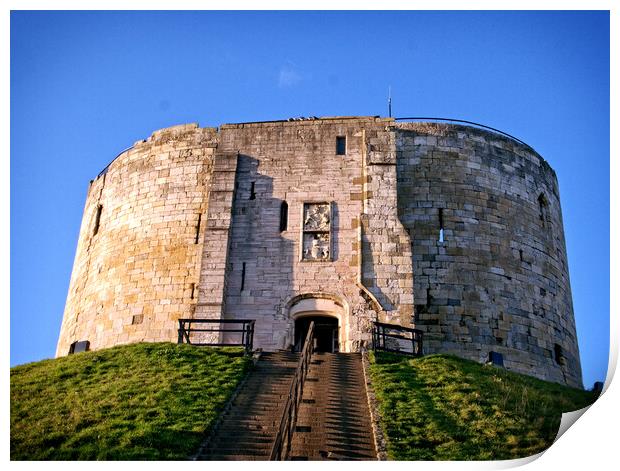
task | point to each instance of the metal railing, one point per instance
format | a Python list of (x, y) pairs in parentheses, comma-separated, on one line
[(105, 169), (397, 339), (282, 444), (241, 334)]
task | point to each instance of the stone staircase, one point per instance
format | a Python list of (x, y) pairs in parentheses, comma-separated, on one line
[(333, 421), (248, 430)]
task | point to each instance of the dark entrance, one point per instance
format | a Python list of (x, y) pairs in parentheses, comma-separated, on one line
[(325, 333)]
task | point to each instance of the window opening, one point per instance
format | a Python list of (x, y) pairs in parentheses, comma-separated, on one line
[(97, 219), (283, 216), (77, 347), (496, 359), (521, 254), (341, 145), (543, 210), (440, 224), (243, 276), (198, 228), (252, 192), (193, 289), (558, 354)]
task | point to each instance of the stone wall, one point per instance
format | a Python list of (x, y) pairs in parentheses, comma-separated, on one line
[(386, 246), (138, 273), (499, 279), (451, 229), (296, 163)]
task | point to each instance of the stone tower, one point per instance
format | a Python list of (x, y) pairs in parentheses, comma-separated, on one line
[(452, 229)]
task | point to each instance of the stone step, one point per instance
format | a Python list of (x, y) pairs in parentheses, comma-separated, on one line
[(333, 421), (234, 457), (260, 432), (260, 407), (247, 431), (245, 445), (250, 420), (259, 454)]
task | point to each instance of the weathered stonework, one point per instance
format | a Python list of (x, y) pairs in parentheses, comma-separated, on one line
[(133, 278), (451, 229)]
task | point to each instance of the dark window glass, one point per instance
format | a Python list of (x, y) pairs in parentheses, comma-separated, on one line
[(283, 216), (341, 145)]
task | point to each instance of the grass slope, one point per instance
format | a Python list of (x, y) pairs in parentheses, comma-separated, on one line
[(445, 408), (149, 401)]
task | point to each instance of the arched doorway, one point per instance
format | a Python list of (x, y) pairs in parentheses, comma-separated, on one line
[(326, 338), (330, 315)]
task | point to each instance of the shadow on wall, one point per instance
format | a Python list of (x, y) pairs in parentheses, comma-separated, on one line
[(260, 258), (369, 274), (335, 229), (418, 211)]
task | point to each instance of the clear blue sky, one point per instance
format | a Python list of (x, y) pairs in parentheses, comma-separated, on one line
[(85, 86)]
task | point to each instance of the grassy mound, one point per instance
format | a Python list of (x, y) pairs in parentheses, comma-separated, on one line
[(149, 401), (445, 408)]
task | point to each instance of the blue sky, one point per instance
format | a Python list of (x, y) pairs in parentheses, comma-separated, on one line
[(86, 85)]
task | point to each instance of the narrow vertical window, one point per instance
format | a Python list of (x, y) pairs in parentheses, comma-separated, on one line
[(197, 239), (521, 254), (193, 289), (252, 191), (558, 354), (440, 225), (243, 277), (543, 210), (341, 145), (283, 216), (97, 219)]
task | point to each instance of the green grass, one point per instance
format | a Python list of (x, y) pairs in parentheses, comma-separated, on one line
[(445, 408), (148, 401)]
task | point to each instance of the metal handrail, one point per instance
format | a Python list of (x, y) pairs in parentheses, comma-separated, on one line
[(282, 444), (246, 330), (105, 169), (471, 123), (382, 331)]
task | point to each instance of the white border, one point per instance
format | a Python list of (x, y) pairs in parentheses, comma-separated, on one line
[(590, 444)]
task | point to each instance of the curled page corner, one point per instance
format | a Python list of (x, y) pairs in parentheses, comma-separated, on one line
[(568, 419), (507, 464)]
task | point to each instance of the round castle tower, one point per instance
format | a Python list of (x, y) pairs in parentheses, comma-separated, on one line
[(451, 229)]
